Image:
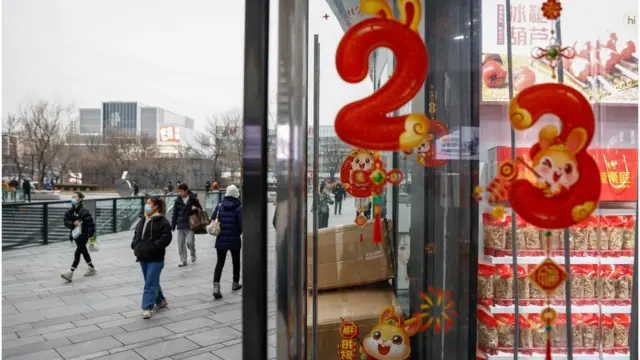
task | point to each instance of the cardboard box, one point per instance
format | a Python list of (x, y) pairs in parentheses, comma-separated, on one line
[(344, 260), (361, 305)]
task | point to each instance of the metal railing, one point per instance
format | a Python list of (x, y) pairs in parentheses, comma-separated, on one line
[(12, 196), (39, 223)]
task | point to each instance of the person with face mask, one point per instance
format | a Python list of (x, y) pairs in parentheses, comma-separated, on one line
[(184, 206), (150, 240), (79, 217)]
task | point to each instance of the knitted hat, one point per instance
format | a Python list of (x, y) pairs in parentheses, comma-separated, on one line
[(233, 191)]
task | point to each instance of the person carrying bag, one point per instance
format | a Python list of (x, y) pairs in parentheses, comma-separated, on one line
[(78, 219), (229, 216)]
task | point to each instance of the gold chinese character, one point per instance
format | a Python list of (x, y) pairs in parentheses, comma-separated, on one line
[(348, 330), (613, 177), (603, 177), (625, 178), (346, 345), (347, 355)]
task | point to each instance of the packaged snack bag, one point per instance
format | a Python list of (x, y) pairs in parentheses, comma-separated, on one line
[(487, 332), (621, 327), (590, 332), (504, 285), (524, 295), (530, 237), (485, 284), (624, 283), (589, 284), (608, 335), (628, 236), (608, 284), (616, 231), (577, 291), (535, 294), (506, 331), (494, 234), (526, 335), (559, 332), (579, 238), (538, 333), (577, 328)]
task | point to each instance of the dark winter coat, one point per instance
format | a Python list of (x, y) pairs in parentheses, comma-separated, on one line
[(26, 187), (339, 193), (149, 242), (230, 210), (82, 214), (182, 211)]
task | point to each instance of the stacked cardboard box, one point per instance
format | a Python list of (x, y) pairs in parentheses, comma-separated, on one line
[(353, 282)]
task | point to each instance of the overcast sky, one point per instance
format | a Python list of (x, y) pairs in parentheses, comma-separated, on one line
[(185, 56)]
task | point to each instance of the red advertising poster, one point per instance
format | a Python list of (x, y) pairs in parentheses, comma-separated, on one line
[(605, 68), (618, 170)]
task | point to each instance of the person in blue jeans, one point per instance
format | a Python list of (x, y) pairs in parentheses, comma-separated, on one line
[(151, 238)]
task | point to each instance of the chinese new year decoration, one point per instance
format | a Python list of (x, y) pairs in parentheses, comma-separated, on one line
[(437, 309), (364, 123), (388, 340), (426, 150)]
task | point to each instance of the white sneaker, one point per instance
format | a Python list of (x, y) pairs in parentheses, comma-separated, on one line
[(67, 276), (146, 314), (92, 271)]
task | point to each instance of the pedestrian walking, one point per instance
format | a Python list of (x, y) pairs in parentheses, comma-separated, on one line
[(26, 189), (186, 204), (136, 188), (324, 200), (150, 240), (80, 222), (170, 186), (215, 186), (229, 214), (207, 186), (339, 194)]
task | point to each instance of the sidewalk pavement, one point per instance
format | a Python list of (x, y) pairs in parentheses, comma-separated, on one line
[(99, 317)]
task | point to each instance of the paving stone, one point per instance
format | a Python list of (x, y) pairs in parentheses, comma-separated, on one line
[(99, 319), (58, 320), (119, 322), (229, 353), (22, 318), (142, 323), (125, 355), (65, 310), (186, 325), (37, 305), (142, 335), (215, 336), (168, 348), (123, 291), (205, 356), (44, 354), (96, 334), (46, 329), (71, 332), (112, 303), (35, 347), (227, 316), (187, 314), (22, 341), (9, 336), (88, 347), (15, 328)]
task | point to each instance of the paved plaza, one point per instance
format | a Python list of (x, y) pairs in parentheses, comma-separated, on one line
[(100, 318)]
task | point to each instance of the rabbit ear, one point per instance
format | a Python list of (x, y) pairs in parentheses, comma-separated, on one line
[(547, 136), (386, 314), (412, 326), (576, 140)]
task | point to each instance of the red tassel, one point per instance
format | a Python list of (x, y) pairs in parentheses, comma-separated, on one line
[(377, 226), (548, 355), (361, 239)]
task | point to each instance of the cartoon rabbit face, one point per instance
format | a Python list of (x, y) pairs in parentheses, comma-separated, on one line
[(389, 340), (425, 146), (362, 161), (556, 162)]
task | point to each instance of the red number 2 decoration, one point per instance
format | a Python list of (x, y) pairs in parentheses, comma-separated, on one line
[(364, 124), (567, 189)]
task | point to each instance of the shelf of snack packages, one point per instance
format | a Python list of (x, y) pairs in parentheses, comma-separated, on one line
[(601, 255)]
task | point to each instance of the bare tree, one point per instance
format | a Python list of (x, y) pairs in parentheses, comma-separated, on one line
[(12, 158), (224, 140), (42, 131), (333, 153)]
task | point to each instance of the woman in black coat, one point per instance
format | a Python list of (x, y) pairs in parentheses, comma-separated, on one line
[(229, 214), (150, 239), (80, 217)]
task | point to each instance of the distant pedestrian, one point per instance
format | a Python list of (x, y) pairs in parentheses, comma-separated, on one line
[(229, 214), (26, 189), (78, 217), (324, 200), (215, 185), (185, 205), (170, 186), (136, 188), (150, 240), (207, 186), (339, 194)]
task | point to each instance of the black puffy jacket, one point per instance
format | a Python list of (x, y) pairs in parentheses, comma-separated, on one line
[(229, 213), (82, 214), (149, 242), (182, 211)]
